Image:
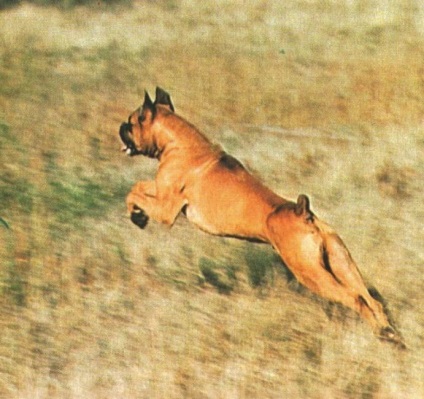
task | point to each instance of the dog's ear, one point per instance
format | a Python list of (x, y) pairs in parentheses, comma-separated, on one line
[(147, 109), (163, 98)]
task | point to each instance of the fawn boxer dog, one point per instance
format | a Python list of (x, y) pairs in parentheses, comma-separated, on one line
[(217, 194)]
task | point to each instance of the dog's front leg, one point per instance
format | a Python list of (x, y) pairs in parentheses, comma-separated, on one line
[(144, 202), (135, 202)]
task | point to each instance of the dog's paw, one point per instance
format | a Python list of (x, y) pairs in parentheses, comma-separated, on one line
[(139, 218)]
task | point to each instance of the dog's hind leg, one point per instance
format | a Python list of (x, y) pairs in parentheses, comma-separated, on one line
[(338, 260), (320, 261)]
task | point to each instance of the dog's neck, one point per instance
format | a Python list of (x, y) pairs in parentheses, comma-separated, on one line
[(165, 138)]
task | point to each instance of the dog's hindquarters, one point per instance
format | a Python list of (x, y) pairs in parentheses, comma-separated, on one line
[(318, 258)]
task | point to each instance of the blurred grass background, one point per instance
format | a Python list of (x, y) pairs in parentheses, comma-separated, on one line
[(319, 97)]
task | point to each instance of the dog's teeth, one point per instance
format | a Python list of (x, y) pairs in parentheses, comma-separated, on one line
[(128, 151)]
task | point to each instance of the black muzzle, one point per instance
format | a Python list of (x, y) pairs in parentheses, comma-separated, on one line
[(124, 133)]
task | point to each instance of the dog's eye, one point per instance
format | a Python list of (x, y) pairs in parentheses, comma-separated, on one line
[(141, 118)]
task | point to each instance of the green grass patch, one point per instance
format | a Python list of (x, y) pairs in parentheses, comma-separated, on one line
[(13, 277), (72, 196), (6, 138), (75, 199), (16, 191), (223, 277), (260, 270), (68, 196), (15, 286)]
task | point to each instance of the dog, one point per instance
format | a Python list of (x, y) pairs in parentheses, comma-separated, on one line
[(216, 193)]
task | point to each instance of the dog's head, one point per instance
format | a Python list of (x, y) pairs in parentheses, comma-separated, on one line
[(138, 134)]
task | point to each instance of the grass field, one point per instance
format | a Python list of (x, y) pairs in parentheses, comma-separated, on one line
[(318, 97)]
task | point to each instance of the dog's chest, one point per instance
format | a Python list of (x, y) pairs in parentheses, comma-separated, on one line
[(196, 217)]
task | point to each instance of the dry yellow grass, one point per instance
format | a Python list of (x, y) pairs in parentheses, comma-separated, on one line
[(320, 97)]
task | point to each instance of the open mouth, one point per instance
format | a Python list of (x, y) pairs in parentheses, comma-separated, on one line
[(124, 133)]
